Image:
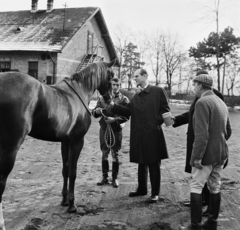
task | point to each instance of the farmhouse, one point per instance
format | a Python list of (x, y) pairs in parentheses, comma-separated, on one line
[(51, 44)]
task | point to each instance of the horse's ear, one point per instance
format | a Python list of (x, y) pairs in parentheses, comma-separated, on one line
[(110, 64)]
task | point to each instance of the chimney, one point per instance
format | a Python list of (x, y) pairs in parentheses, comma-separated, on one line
[(49, 5), (34, 6)]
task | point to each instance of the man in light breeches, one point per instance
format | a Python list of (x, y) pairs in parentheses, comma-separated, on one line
[(209, 153)]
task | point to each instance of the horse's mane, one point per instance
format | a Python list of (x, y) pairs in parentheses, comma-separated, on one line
[(92, 75)]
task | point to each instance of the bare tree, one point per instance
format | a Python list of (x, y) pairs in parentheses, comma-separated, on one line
[(121, 37), (172, 55), (233, 73), (154, 45)]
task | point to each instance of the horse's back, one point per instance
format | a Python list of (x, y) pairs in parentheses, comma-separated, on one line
[(15, 85), (18, 96)]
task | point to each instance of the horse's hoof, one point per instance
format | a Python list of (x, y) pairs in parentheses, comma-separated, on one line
[(63, 203), (72, 209), (2, 228)]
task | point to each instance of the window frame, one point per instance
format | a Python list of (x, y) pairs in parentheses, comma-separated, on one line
[(33, 69), (5, 63)]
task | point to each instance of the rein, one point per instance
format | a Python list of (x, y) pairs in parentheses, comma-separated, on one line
[(109, 134), (86, 107)]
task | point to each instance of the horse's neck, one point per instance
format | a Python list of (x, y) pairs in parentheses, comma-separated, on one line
[(83, 92)]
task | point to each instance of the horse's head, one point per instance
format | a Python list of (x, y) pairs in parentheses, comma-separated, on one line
[(98, 76), (105, 83)]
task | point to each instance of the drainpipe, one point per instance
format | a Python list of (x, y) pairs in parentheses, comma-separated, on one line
[(54, 68)]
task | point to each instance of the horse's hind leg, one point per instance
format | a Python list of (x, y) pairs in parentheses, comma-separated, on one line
[(7, 159), (74, 152), (65, 149)]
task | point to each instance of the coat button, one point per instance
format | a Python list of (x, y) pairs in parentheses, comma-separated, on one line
[(142, 110), (144, 120), (144, 130), (142, 101)]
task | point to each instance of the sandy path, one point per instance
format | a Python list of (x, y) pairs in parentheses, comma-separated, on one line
[(32, 198)]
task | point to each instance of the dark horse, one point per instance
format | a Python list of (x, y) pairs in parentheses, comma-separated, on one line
[(57, 113)]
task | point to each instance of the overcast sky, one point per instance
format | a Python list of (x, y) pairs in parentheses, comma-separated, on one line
[(176, 16)]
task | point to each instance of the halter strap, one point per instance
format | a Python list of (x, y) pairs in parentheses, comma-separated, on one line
[(86, 107)]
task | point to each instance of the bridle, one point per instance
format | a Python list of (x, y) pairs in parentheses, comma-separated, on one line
[(84, 104)]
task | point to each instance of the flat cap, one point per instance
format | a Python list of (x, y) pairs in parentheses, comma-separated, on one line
[(203, 77)]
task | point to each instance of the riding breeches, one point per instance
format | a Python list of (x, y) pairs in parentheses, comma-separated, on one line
[(116, 140), (210, 174)]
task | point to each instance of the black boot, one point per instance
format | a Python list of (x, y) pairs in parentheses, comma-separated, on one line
[(214, 208), (196, 212), (205, 197), (105, 170), (115, 169)]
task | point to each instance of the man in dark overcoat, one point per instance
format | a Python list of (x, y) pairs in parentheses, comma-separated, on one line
[(147, 142), (186, 118)]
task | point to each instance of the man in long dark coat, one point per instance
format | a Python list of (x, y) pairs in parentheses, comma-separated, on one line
[(147, 142)]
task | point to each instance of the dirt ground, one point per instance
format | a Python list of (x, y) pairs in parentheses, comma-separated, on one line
[(33, 194)]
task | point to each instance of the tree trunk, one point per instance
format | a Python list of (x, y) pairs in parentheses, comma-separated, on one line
[(217, 46), (223, 77)]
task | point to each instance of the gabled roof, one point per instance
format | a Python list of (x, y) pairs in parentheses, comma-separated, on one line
[(43, 31)]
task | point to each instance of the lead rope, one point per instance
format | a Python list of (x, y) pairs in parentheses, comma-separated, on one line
[(109, 135)]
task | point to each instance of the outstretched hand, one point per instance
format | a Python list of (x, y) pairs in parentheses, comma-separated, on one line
[(111, 103), (197, 164)]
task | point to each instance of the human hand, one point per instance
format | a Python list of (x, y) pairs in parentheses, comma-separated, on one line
[(197, 164), (111, 103), (98, 111), (109, 120)]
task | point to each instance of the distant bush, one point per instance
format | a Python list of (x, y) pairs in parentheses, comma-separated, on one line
[(232, 101), (183, 96)]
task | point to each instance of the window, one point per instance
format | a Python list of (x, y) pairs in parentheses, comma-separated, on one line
[(90, 42), (5, 66), (49, 80), (33, 69)]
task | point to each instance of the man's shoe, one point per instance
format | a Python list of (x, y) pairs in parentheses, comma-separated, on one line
[(103, 181), (115, 183), (187, 204), (137, 193), (153, 199), (191, 227)]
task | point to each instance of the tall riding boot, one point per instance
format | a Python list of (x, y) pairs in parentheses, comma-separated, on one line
[(115, 169), (214, 208), (205, 196), (105, 170), (196, 212)]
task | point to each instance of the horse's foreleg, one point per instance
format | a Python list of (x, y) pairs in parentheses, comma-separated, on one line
[(65, 150), (74, 152)]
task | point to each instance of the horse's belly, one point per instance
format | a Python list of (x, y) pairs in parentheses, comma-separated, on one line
[(48, 133)]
